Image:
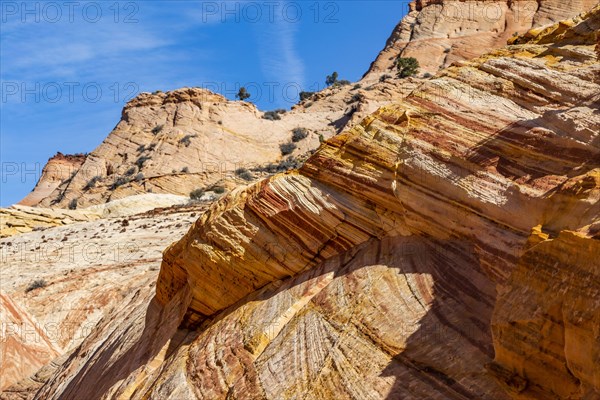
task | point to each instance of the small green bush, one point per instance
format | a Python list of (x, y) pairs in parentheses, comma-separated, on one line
[(331, 79), (157, 129), (247, 176), (185, 170), (242, 94), (287, 148), (299, 134), (357, 86), (139, 177), (288, 163), (218, 189), (141, 161), (306, 95), (92, 182), (131, 171), (385, 77), (187, 140), (73, 204), (196, 194), (356, 98), (141, 148), (38, 283), (407, 66), (273, 115), (244, 174), (120, 181)]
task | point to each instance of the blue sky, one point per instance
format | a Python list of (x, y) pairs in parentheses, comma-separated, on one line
[(67, 69)]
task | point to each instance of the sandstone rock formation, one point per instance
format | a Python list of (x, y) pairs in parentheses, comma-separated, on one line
[(24, 346), (191, 138), (59, 169), (395, 262), (86, 270), (439, 33), (20, 219)]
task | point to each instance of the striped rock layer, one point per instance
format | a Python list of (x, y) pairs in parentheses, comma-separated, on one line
[(444, 248), (441, 32)]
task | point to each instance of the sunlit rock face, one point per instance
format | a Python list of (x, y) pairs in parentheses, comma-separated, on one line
[(439, 33), (57, 170), (191, 138), (443, 248)]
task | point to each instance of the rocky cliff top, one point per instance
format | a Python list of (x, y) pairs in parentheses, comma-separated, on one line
[(441, 32)]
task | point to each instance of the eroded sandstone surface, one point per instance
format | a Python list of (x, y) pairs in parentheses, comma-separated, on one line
[(439, 33), (395, 263)]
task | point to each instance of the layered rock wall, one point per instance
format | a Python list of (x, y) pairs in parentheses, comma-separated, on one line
[(394, 262), (439, 33)]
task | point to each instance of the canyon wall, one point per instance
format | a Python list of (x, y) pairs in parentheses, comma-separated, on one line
[(395, 262)]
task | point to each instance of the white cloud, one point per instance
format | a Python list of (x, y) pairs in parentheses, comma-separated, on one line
[(277, 51)]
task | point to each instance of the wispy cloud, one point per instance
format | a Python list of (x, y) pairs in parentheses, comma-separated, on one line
[(279, 58)]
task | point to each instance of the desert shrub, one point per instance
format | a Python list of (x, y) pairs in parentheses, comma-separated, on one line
[(244, 174), (427, 75), (288, 163), (447, 50), (141, 148), (242, 94), (131, 171), (151, 147), (141, 161), (287, 148), (299, 134), (185, 170), (38, 283), (187, 140), (157, 129), (247, 176), (120, 181), (282, 166), (73, 204), (139, 177), (157, 92), (306, 95), (357, 97), (273, 115), (269, 168), (407, 66), (357, 86), (384, 78), (196, 194), (321, 138), (331, 79), (92, 182), (218, 189), (342, 82)]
